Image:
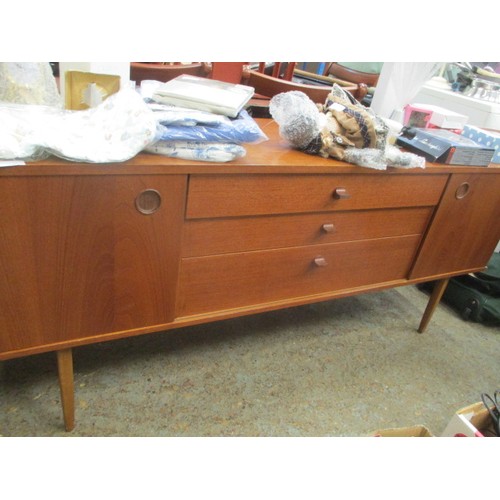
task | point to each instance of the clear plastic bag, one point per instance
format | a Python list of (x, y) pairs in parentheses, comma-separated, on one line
[(21, 131), (169, 115), (379, 159), (298, 117), (340, 129), (29, 83), (243, 129), (195, 150), (115, 131)]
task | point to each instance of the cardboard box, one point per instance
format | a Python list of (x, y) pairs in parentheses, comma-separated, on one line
[(86, 90), (485, 138), (435, 116), (414, 431), (414, 116), (471, 421), (443, 146)]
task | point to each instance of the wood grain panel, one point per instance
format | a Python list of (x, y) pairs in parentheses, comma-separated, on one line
[(239, 234), (78, 259), (464, 231), (241, 279), (225, 196)]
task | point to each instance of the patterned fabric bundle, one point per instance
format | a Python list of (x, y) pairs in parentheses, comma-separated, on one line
[(203, 136), (195, 150), (114, 131)]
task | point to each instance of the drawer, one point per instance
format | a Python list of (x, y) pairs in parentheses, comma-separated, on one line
[(239, 195), (240, 234), (209, 284)]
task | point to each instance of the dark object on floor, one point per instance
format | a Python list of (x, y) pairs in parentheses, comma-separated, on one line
[(493, 406), (475, 296)]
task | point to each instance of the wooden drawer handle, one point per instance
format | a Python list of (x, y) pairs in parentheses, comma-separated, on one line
[(328, 228), (462, 190), (148, 201), (320, 261), (341, 194)]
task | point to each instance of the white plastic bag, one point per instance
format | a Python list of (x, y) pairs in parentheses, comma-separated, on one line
[(115, 131)]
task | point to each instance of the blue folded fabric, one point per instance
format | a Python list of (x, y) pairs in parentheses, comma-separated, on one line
[(243, 129), (203, 151)]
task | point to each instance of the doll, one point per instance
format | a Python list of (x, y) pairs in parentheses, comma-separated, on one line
[(341, 128)]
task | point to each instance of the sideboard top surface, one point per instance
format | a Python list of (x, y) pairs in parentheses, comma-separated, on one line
[(275, 155)]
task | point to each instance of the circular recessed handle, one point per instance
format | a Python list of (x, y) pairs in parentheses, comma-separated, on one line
[(462, 190), (148, 201), (341, 193), (320, 261), (328, 228)]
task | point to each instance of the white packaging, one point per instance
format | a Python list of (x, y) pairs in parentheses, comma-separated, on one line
[(444, 118)]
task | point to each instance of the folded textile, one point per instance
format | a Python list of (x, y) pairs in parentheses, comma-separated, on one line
[(243, 129), (196, 150), (115, 131), (168, 114)]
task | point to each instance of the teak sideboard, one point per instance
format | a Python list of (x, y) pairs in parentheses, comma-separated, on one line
[(96, 252)]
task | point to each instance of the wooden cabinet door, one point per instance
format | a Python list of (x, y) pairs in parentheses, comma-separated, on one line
[(82, 256), (465, 228)]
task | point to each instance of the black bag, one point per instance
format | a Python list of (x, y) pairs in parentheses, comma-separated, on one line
[(467, 295), (490, 278), (476, 296)]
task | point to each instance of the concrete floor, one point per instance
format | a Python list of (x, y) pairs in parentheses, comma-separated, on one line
[(339, 368)]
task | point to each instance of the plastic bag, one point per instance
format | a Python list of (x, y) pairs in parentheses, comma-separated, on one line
[(170, 114), (298, 117), (340, 128), (378, 159), (194, 150), (115, 131), (243, 129), (167, 114), (29, 83), (22, 129)]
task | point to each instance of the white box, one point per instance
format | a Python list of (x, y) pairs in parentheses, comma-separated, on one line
[(471, 421), (481, 113), (444, 118)]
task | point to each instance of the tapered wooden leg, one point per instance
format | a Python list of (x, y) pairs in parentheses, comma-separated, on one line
[(66, 384), (434, 299)]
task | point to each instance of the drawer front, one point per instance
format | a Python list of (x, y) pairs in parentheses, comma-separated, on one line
[(239, 195), (219, 282), (239, 234)]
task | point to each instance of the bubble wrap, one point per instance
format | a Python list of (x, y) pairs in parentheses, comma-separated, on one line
[(379, 159), (298, 117), (340, 129)]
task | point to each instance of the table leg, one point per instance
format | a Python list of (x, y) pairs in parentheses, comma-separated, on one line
[(434, 299), (66, 384)]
